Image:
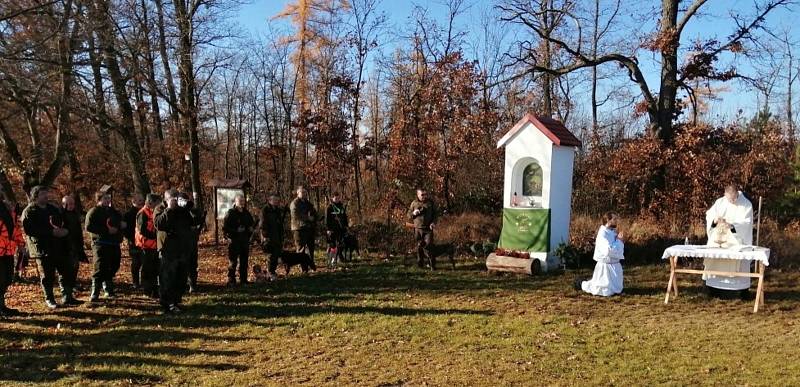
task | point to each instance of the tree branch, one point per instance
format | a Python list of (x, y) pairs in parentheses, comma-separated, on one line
[(691, 11)]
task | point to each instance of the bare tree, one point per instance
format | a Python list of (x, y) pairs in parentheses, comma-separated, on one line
[(661, 106), (103, 27), (366, 27)]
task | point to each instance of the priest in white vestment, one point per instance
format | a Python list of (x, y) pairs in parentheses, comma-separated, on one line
[(735, 212), (609, 250)]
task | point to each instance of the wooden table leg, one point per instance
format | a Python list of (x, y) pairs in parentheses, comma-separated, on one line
[(671, 279), (675, 276), (760, 288)]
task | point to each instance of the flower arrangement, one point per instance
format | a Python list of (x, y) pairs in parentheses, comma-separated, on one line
[(512, 253)]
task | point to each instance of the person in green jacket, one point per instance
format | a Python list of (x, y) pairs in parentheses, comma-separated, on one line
[(422, 213), (272, 226), (105, 226), (303, 222), (44, 235)]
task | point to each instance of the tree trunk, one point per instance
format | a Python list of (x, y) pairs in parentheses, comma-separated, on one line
[(152, 85), (669, 71), (356, 145), (172, 98), (547, 80), (126, 126), (103, 126), (63, 138), (189, 107), (595, 39), (141, 110)]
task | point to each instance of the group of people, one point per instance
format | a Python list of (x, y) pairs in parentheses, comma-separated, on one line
[(239, 226), (161, 233), (731, 214)]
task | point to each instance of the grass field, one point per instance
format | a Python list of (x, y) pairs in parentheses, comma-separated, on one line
[(384, 324)]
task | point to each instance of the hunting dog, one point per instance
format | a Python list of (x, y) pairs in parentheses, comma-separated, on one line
[(350, 247), (343, 249), (439, 250), (288, 259)]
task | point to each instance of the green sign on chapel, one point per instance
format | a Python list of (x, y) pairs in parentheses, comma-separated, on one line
[(526, 230)]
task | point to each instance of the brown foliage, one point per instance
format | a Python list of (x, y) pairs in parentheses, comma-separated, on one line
[(694, 169), (440, 127)]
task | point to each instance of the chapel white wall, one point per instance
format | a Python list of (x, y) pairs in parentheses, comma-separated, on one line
[(528, 142)]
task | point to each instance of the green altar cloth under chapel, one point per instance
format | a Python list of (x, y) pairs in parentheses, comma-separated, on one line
[(526, 229)]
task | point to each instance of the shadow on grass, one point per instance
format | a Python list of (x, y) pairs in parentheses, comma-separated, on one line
[(280, 309), (48, 356), (104, 344), (643, 291)]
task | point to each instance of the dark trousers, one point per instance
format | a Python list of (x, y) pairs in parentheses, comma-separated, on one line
[(106, 263), (74, 262), (6, 276), (20, 261), (424, 238), (193, 263), (304, 241), (48, 267), (172, 278), (136, 264), (238, 254), (273, 250), (151, 265)]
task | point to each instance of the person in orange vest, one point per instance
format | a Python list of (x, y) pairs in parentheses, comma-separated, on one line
[(145, 236), (10, 240)]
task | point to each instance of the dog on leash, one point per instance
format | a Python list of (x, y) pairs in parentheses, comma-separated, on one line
[(290, 259), (350, 247), (439, 250)]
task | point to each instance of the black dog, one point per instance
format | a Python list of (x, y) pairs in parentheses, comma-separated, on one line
[(291, 258), (438, 250), (350, 247)]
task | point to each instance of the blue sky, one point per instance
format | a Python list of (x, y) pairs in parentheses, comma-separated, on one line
[(715, 20)]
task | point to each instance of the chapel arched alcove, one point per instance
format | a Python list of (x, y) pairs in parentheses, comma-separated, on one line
[(528, 182)]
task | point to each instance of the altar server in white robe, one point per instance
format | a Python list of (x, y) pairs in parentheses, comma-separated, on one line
[(609, 250), (735, 211)]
